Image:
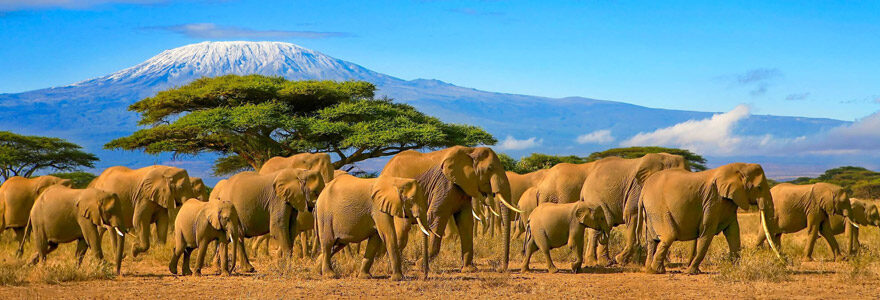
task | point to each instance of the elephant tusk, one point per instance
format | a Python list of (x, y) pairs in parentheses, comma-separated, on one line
[(509, 205), (493, 211), (854, 224), (422, 227), (118, 231), (767, 233), (475, 216)]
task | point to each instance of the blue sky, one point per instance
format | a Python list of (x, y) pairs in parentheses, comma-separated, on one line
[(805, 58)]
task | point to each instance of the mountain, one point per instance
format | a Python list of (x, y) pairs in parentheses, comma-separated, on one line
[(94, 111)]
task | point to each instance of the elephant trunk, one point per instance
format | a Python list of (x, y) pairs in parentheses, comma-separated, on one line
[(501, 189), (120, 250)]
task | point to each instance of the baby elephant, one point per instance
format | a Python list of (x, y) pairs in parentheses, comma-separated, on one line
[(197, 225), (553, 225), (62, 215)]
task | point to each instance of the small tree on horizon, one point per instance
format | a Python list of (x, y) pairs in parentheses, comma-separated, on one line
[(24, 155)]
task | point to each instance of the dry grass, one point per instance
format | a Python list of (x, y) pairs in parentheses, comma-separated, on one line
[(299, 276)]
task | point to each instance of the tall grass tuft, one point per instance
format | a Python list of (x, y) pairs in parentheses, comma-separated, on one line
[(753, 265)]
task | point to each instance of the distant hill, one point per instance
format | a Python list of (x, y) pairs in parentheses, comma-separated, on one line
[(94, 111)]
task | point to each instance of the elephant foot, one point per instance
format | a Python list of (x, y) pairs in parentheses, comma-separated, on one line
[(329, 274), (137, 250), (187, 272), (621, 258), (364, 275), (198, 273), (248, 269), (524, 269), (576, 270), (651, 270), (552, 269), (693, 271), (396, 277), (225, 273), (173, 270), (468, 269), (807, 259)]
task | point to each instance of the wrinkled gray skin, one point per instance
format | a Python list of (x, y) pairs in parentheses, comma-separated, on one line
[(553, 225), (63, 215)]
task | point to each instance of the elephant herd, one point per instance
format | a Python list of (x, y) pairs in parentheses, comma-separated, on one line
[(656, 197)]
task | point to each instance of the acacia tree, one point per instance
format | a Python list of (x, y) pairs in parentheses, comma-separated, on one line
[(249, 119), (22, 155)]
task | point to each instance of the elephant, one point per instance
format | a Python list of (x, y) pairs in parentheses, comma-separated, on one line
[(451, 178), (197, 225), (319, 162), (351, 210), (270, 203), (680, 206), (616, 184), (149, 195), (563, 183), (62, 214), (200, 190), (553, 225), (864, 213), (17, 196), (519, 184), (807, 206)]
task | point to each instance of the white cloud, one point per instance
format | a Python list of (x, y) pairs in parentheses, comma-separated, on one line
[(511, 143), (596, 137), (860, 136), (712, 136)]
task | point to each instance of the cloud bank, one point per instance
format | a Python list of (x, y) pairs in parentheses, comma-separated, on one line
[(596, 137), (511, 143), (213, 31), (716, 136)]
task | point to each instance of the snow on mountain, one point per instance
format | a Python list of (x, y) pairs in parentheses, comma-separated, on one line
[(94, 111)]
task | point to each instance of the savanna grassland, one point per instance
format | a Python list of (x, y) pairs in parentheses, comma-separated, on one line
[(758, 274)]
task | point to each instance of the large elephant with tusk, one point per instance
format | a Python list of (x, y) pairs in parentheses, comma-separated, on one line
[(270, 203), (810, 207), (678, 205), (149, 195), (351, 210), (451, 178), (62, 214)]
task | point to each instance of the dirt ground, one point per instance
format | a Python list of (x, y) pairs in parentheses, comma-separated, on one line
[(148, 277)]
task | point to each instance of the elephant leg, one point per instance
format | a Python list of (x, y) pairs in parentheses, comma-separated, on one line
[(304, 244), (545, 248), (81, 247), (246, 265), (731, 233), (854, 245), (327, 244), (200, 257), (373, 245), (530, 248), (185, 270), (388, 234), (161, 227), (434, 240), (656, 264), (179, 248), (813, 232), (19, 236), (828, 235), (702, 244), (465, 222)]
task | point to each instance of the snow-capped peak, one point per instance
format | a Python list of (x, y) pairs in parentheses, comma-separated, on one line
[(183, 64)]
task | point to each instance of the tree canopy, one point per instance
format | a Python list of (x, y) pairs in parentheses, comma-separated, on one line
[(858, 182), (22, 155), (537, 161), (695, 161), (249, 119)]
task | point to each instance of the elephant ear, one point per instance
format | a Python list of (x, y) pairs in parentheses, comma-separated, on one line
[(387, 198), (90, 209), (458, 167), (649, 164), (729, 184), (212, 213), (156, 187), (584, 213), (287, 184), (825, 195)]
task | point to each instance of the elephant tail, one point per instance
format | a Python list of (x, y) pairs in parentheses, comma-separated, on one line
[(27, 230), (527, 238)]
